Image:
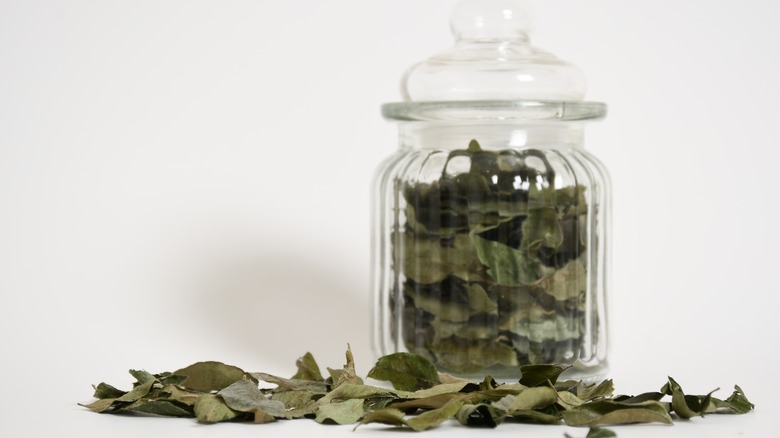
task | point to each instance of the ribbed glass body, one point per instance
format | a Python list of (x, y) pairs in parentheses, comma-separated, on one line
[(490, 242)]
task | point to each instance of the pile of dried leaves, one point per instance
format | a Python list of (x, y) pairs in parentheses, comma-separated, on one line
[(422, 398)]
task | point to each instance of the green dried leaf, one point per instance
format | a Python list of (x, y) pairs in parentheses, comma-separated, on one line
[(163, 408), (172, 392), (528, 399), (737, 402), (508, 266), (170, 379), (427, 260), (597, 432), (541, 229), (443, 388), (346, 412), (536, 375), (426, 420), (104, 390), (292, 384), (472, 356), (350, 391), (308, 369), (347, 375), (435, 417), (245, 396), (390, 416), (136, 393), (142, 376), (211, 408), (432, 402), (102, 405), (655, 396), (482, 414), (605, 412), (534, 417), (590, 392), (686, 406), (406, 371), (211, 376), (298, 404), (568, 400)]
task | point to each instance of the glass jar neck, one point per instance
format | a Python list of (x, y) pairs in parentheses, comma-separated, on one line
[(492, 135)]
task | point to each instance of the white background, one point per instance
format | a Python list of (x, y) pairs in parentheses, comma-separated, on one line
[(189, 180)]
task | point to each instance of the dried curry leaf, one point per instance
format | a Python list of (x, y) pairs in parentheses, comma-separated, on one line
[(245, 396), (347, 375), (596, 432), (536, 375), (350, 391), (481, 415), (346, 412), (163, 408), (211, 408), (737, 403), (104, 390), (292, 384), (605, 412), (406, 371), (308, 369), (211, 376), (686, 406)]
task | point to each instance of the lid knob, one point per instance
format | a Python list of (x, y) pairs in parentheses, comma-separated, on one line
[(492, 19)]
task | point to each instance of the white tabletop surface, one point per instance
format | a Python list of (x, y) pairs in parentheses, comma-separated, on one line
[(189, 180)]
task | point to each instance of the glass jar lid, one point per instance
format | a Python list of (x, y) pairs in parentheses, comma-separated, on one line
[(493, 72)]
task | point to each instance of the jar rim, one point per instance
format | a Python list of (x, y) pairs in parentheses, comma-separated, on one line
[(495, 110)]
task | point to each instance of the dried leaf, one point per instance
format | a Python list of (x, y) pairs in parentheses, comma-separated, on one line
[(211, 408), (534, 417), (528, 399), (142, 376), (406, 371), (350, 391), (347, 374), (308, 369), (104, 390), (536, 375), (737, 403), (604, 412), (508, 266), (568, 400), (686, 406), (590, 392), (137, 392), (346, 412), (432, 402), (390, 416), (479, 415), (245, 396), (596, 432), (160, 407), (435, 417), (175, 393), (211, 376), (100, 406), (292, 384), (297, 403)]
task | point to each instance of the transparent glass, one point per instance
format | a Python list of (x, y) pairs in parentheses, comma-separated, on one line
[(490, 238)]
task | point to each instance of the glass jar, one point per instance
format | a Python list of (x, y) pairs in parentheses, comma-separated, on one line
[(491, 221)]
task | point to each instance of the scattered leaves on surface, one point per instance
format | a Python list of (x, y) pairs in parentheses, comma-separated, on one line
[(213, 392)]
